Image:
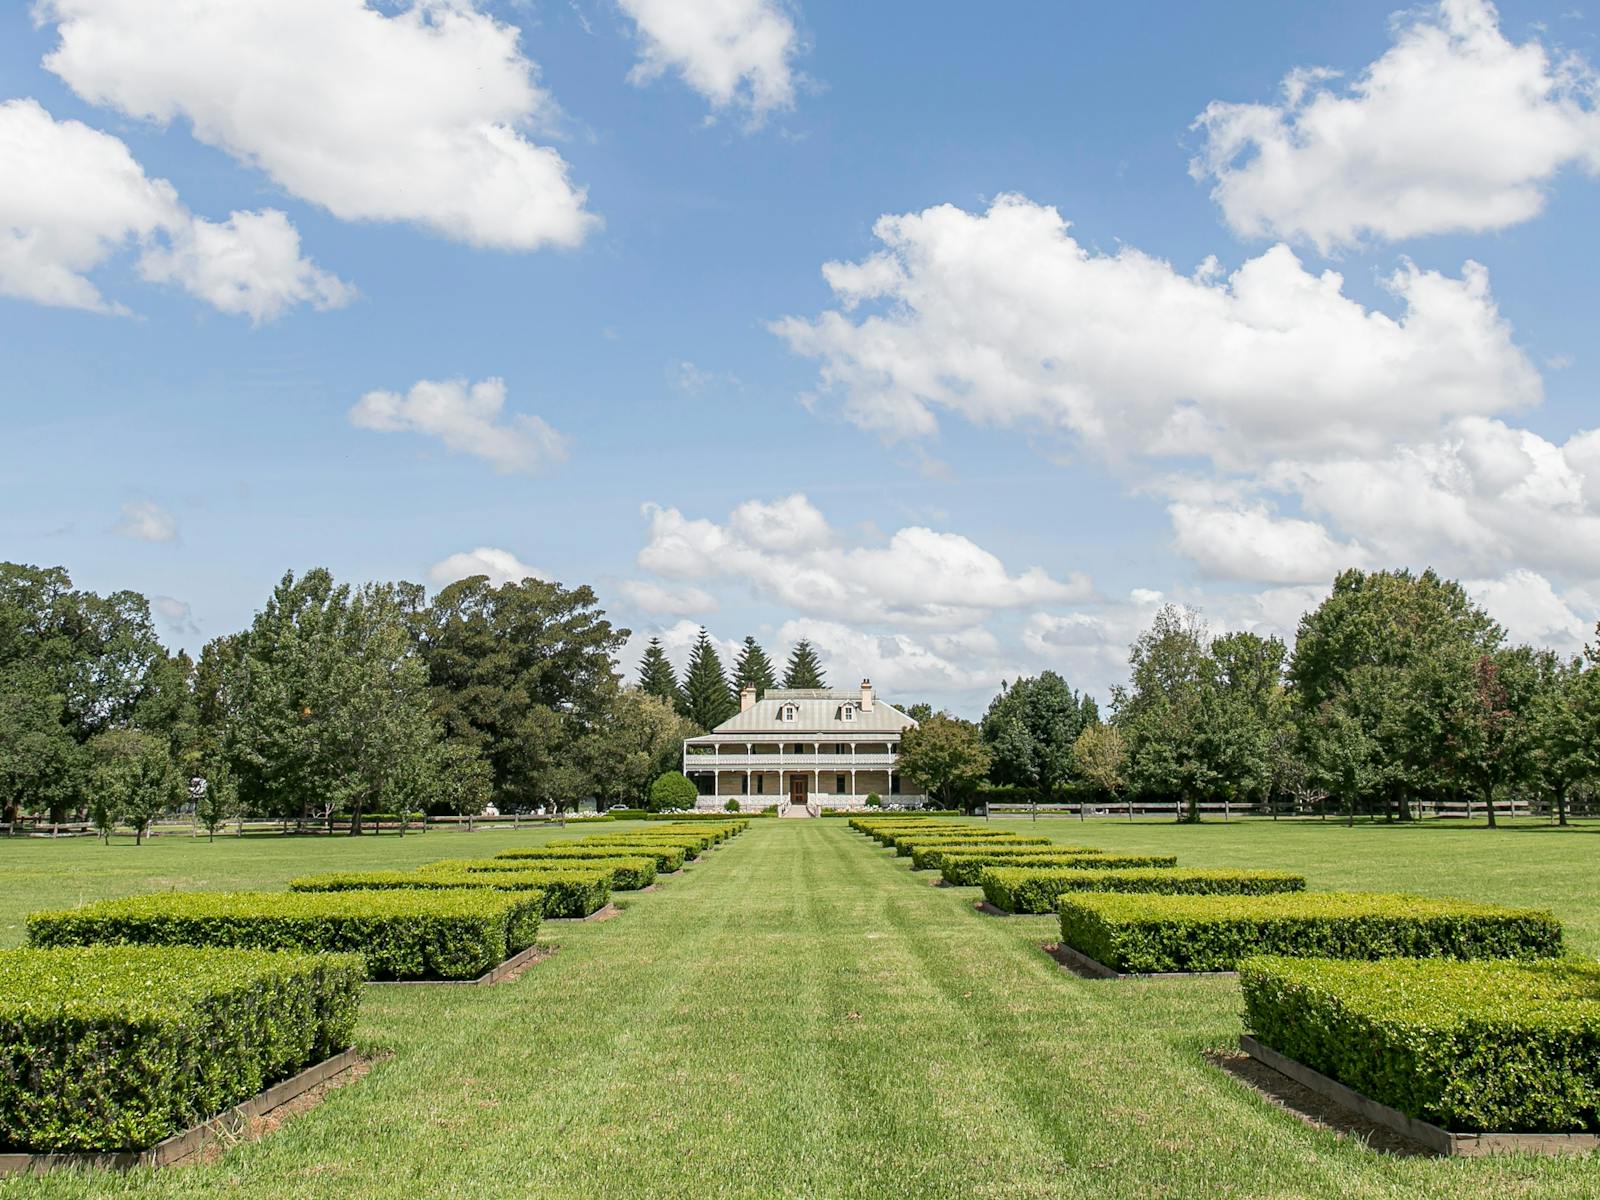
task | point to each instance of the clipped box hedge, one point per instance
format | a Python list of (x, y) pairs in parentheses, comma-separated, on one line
[(403, 934), (628, 874), (926, 857), (966, 870), (1026, 889), (691, 843), (905, 843), (1473, 1047), (563, 891), (667, 858), (1140, 932), (111, 1048)]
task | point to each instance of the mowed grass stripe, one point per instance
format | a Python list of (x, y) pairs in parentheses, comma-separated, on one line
[(702, 1045)]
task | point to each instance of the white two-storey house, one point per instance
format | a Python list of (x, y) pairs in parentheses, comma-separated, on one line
[(802, 749)]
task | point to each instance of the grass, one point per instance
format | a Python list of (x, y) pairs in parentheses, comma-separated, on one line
[(800, 1015)]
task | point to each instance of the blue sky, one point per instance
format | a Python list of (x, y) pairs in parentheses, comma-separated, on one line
[(987, 443)]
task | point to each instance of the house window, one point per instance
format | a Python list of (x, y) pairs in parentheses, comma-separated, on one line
[(761, 784), (788, 713), (839, 784), (744, 785), (848, 713)]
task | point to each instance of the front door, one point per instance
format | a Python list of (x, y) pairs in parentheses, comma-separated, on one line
[(797, 790)]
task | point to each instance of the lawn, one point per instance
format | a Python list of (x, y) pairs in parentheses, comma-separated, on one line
[(799, 1015)]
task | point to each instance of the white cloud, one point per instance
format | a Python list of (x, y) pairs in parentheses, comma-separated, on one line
[(901, 667), (648, 596), (1004, 319), (735, 53), (787, 552), (147, 521), (1531, 611), (468, 418), (501, 566), (248, 265), (175, 615), (1254, 544), (417, 116), (75, 197), (1454, 128)]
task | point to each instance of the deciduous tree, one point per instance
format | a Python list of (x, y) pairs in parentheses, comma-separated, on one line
[(945, 757)]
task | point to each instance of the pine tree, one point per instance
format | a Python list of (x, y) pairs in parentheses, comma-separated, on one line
[(708, 701), (656, 676), (754, 667), (804, 669)]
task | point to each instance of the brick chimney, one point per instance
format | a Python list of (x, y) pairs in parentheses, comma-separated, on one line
[(866, 695), (747, 697)]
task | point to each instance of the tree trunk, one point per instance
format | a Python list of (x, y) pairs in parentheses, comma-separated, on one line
[(1488, 803), (1561, 804)]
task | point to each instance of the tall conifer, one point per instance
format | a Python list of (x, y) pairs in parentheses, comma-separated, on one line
[(656, 676), (754, 667), (708, 701), (804, 669)]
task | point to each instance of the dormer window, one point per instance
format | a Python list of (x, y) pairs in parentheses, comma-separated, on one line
[(847, 713), (788, 713)]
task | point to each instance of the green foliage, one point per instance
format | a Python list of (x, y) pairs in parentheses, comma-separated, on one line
[(708, 701), (1030, 729), (905, 842), (1142, 933), (410, 934), (628, 872), (1504, 1047), (666, 858), (672, 789), (640, 737), (945, 757), (1100, 758), (874, 800), (754, 668), (114, 1048), (732, 805), (525, 671), (1377, 668), (218, 797), (564, 890), (967, 870), (1036, 889), (929, 856), (462, 782), (133, 779), (656, 676), (804, 669)]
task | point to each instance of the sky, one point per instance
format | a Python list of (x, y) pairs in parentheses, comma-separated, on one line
[(955, 338)]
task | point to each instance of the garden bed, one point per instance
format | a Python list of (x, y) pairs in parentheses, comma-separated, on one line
[(1139, 933), (505, 972), (222, 1130), (1084, 967), (1030, 889)]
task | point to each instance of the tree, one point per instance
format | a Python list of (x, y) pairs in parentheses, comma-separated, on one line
[(462, 781), (1493, 735), (945, 757), (671, 790), (134, 773), (707, 699), (1030, 728), (523, 672), (640, 738), (1100, 757), (1370, 667), (804, 669), (1566, 722), (754, 669), (216, 797), (656, 676), (42, 766)]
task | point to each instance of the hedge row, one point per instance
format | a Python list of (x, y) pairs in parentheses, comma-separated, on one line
[(666, 858), (1029, 889), (629, 873), (1145, 933), (406, 934), (930, 857), (966, 870), (116, 1048), (564, 891), (1505, 1047), (905, 843)]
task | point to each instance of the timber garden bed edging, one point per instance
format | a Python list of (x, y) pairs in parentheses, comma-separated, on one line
[(1432, 1137), (501, 972), (174, 1150), (1081, 965)]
